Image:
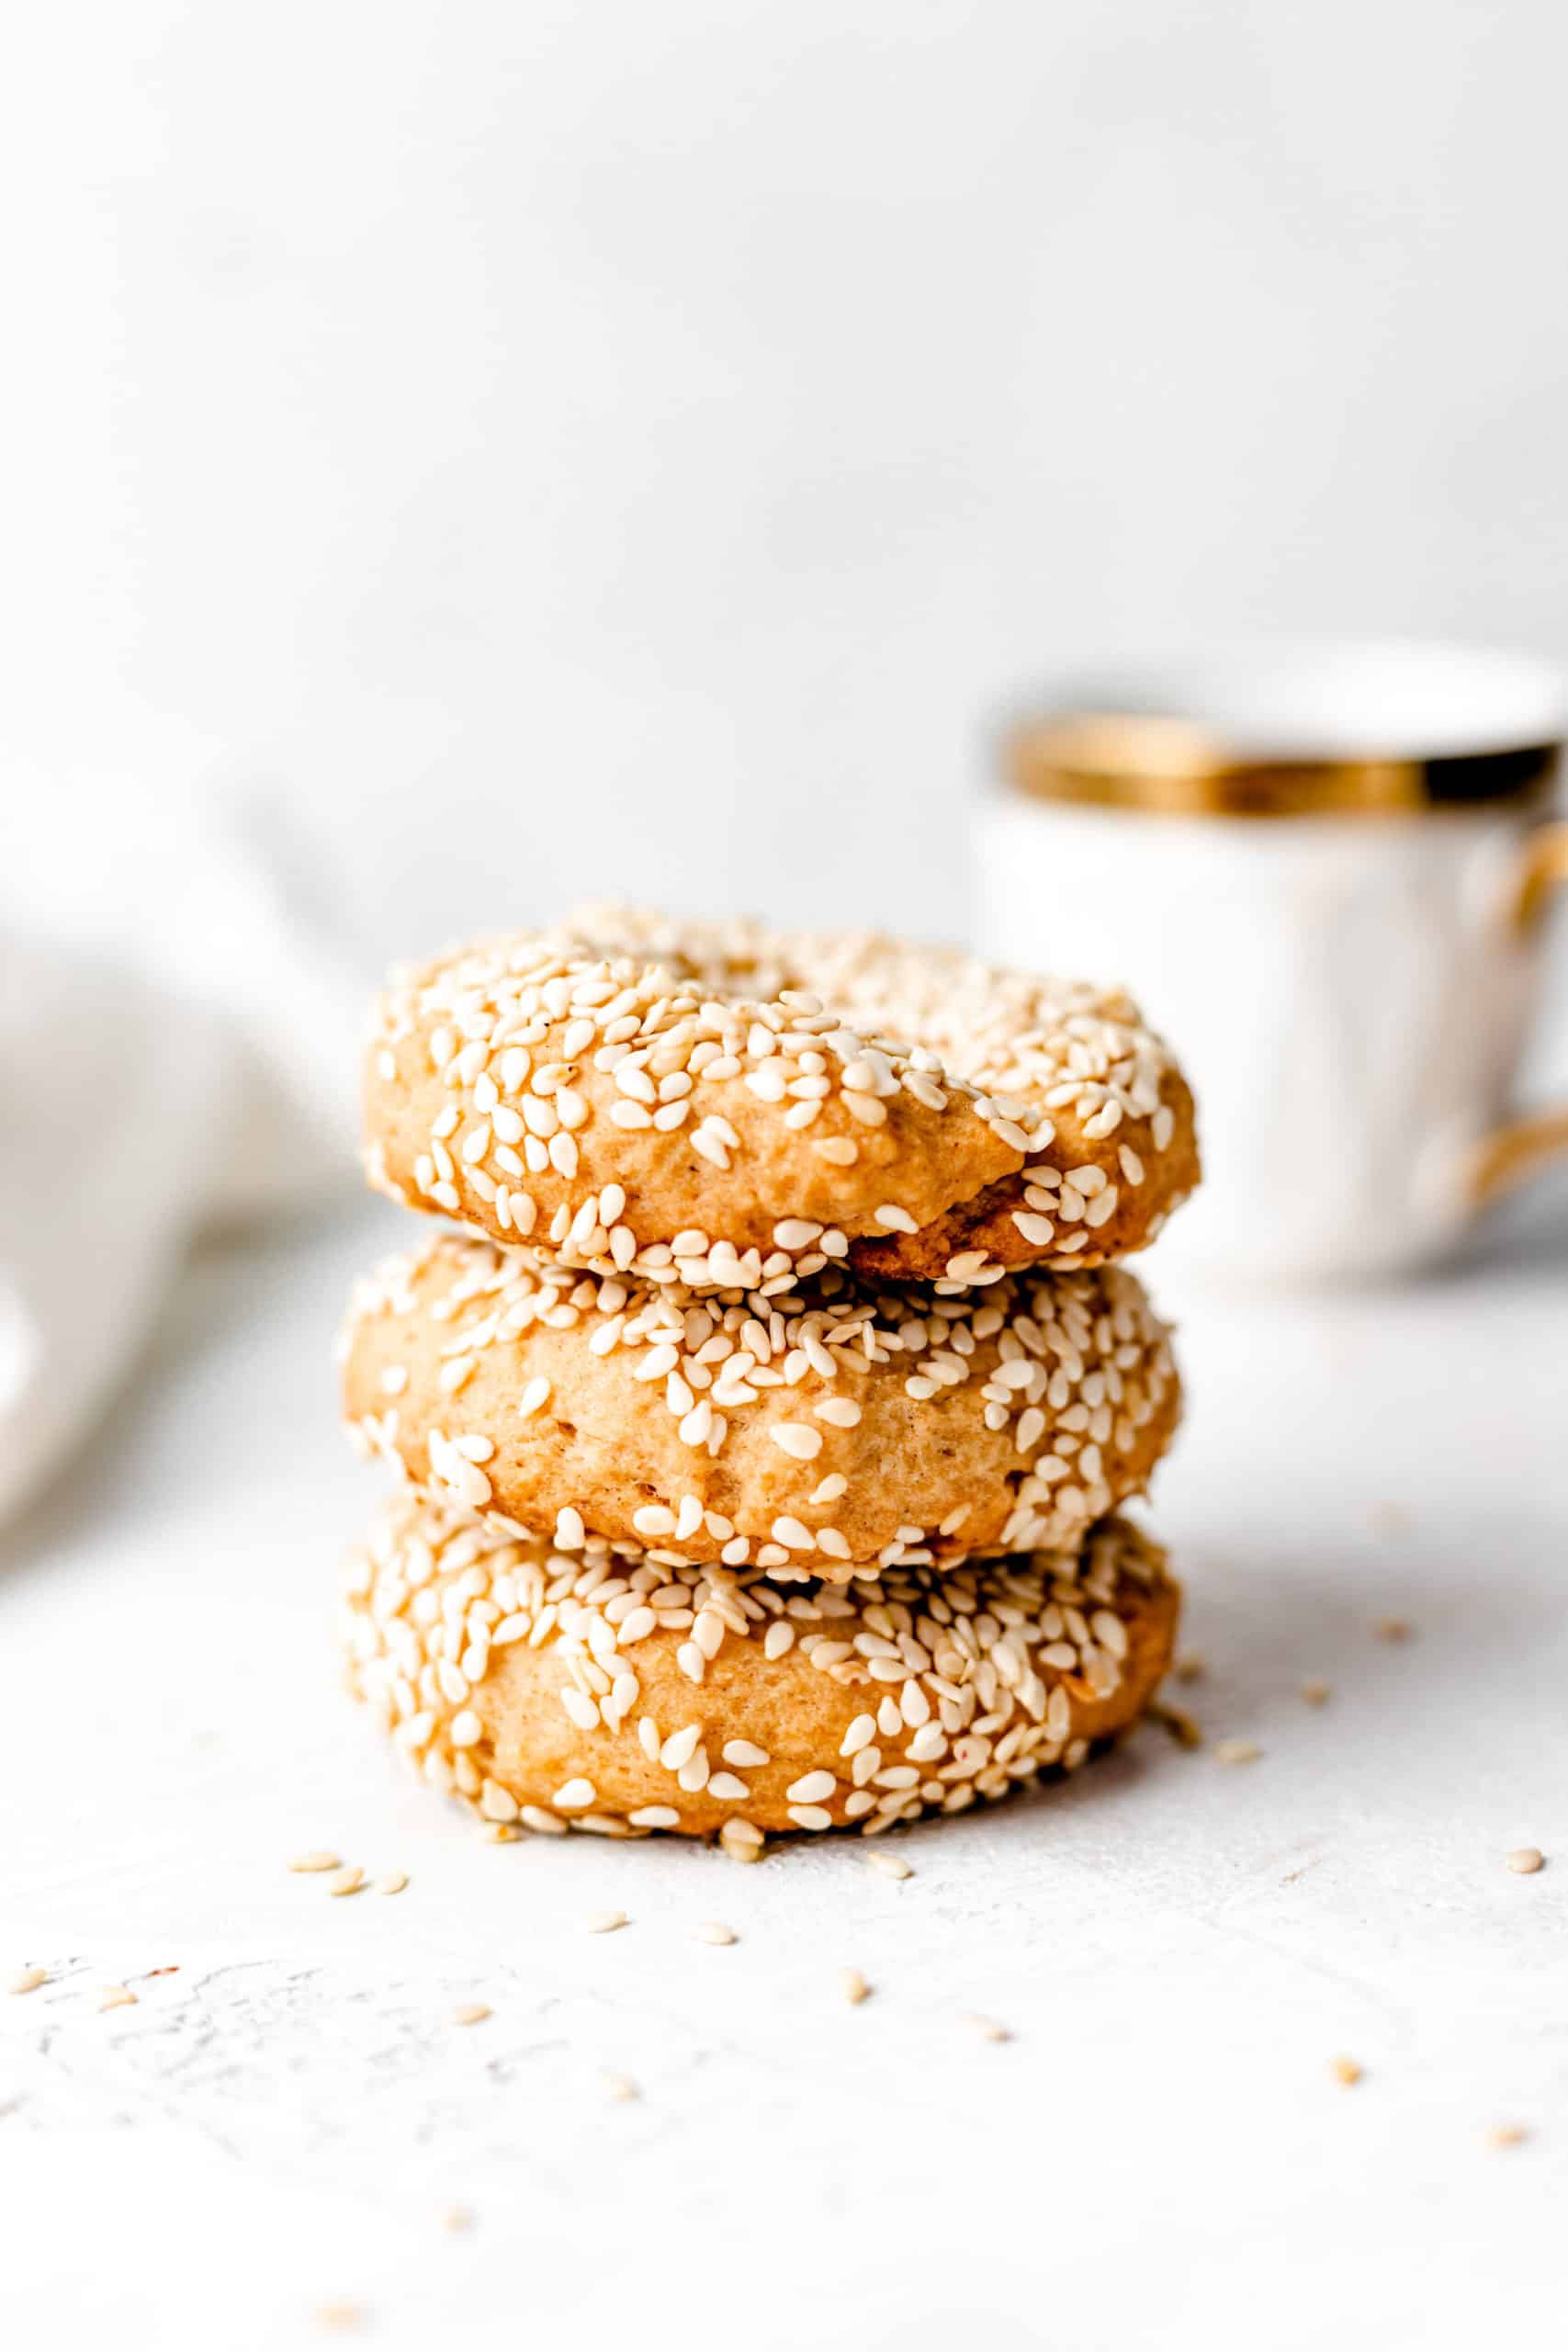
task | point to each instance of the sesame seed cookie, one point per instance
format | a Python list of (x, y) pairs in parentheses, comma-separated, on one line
[(737, 1106), (837, 1424), (596, 1692)]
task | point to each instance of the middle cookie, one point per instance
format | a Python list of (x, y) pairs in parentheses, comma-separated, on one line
[(815, 1432)]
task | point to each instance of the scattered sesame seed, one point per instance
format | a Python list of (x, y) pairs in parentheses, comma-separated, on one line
[(318, 1859), (1316, 1692), (457, 2218), (854, 1986), (26, 1980), (117, 1997), (1508, 2135), (1237, 1751), (1347, 2071), (392, 1883), (1191, 1667), (342, 2315), (470, 2013), (347, 1881), (987, 2028), (1527, 1860), (890, 1865), (714, 1931), (619, 2087), (603, 1923), (1393, 1629), (1177, 1725)]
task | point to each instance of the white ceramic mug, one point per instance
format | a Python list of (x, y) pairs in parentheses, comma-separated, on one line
[(1322, 870)]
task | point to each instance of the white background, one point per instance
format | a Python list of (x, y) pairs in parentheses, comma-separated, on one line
[(632, 448), (636, 445)]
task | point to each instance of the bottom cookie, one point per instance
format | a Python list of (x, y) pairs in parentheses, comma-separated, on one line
[(592, 1691)]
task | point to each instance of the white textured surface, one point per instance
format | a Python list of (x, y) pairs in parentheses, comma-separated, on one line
[(1159, 2154)]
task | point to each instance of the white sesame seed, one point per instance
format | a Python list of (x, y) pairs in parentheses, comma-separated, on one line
[(854, 1986), (317, 1859), (471, 2013), (1526, 1860), (714, 1931), (26, 1980), (605, 1923)]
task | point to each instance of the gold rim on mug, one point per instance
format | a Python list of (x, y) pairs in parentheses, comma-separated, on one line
[(1170, 766)]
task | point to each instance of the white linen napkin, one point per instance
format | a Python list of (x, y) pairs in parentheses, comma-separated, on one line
[(177, 1043)]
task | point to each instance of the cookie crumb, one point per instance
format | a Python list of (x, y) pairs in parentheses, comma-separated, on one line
[(1347, 2071), (1316, 1692), (714, 1931), (854, 1986), (1526, 1860), (470, 2013), (1191, 1666), (1393, 1629), (499, 1833)]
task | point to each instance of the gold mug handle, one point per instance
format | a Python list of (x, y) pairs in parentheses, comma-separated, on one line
[(1515, 1152)]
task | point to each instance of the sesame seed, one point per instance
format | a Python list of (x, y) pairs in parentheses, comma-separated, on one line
[(470, 2013), (987, 2028), (1237, 1751), (890, 1865), (1179, 1725), (714, 1931), (117, 1997), (392, 1883), (318, 1859), (1393, 1629), (1315, 1693), (347, 1881), (854, 1986), (459, 2218), (1526, 1860), (340, 2314), (1347, 2071), (619, 2087), (603, 1923), (26, 1980), (1508, 2135)]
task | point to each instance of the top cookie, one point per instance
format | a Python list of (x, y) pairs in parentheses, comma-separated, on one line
[(722, 1105)]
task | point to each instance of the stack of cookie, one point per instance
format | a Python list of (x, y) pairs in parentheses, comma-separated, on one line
[(764, 1428)]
